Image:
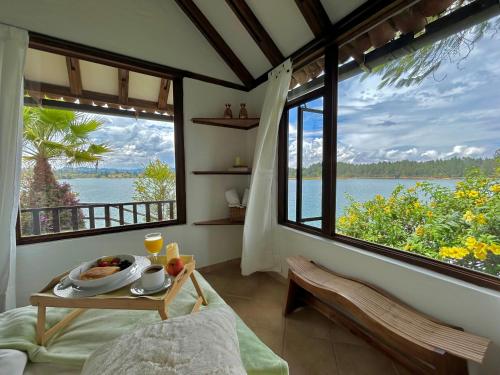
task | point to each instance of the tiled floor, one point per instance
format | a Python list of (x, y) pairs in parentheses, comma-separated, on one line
[(309, 342)]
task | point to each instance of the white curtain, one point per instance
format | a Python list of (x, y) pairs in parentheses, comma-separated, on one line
[(258, 252), (13, 46)]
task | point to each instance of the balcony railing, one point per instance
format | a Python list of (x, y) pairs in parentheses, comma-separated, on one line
[(44, 220)]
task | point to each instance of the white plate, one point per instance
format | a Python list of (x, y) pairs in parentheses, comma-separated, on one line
[(74, 274), (137, 290), (77, 292)]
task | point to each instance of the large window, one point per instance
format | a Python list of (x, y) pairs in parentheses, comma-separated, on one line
[(102, 151), (415, 148)]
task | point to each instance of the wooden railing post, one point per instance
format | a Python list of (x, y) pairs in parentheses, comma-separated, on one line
[(134, 212), (107, 216), (148, 212), (171, 210), (36, 221), (74, 218), (91, 217), (120, 212), (56, 224), (160, 211)]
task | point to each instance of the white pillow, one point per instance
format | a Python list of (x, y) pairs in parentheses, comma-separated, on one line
[(199, 343)]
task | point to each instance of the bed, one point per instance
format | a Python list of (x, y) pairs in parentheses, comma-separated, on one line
[(67, 350)]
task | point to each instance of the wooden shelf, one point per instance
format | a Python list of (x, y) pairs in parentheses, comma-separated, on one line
[(218, 222), (223, 172), (235, 123)]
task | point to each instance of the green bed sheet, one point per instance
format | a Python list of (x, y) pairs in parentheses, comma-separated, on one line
[(74, 344)]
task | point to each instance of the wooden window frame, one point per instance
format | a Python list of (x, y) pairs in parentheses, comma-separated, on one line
[(120, 61), (329, 192)]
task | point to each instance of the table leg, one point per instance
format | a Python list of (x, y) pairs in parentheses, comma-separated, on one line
[(198, 289), (40, 325), (163, 312)]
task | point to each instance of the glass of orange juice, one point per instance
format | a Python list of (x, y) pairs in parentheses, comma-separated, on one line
[(153, 242)]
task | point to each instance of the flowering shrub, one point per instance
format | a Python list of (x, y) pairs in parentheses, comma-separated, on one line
[(460, 226)]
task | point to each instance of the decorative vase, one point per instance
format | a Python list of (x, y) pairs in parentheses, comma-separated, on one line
[(243, 111), (227, 112)]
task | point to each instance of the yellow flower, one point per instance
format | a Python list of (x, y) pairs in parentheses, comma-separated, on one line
[(481, 201), (453, 252), (481, 219), (495, 188), (379, 198), (429, 214), (387, 209), (418, 184), (473, 193), (343, 220), (416, 204), (480, 251), (494, 248), (408, 247), (459, 194), (420, 231), (468, 216), (470, 242)]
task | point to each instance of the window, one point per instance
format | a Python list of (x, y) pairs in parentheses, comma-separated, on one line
[(305, 156), (103, 149), (415, 151)]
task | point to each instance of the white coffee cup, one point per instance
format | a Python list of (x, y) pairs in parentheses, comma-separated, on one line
[(153, 277)]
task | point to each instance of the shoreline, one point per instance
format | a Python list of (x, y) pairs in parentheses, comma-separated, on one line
[(383, 178)]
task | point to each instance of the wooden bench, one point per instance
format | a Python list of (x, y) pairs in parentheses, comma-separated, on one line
[(420, 343)]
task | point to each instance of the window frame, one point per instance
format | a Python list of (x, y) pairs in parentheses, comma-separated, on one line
[(71, 49), (328, 230)]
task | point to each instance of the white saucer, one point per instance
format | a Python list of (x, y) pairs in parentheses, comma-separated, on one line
[(137, 290), (76, 292)]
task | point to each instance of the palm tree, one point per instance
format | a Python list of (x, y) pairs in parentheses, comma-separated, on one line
[(53, 135)]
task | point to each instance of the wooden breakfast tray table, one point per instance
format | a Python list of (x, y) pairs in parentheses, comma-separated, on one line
[(118, 299)]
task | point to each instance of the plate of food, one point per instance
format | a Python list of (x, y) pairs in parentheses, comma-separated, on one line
[(102, 271)]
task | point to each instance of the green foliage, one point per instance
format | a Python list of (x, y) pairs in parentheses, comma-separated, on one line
[(62, 135), (460, 226), (414, 67), (157, 183), (450, 168)]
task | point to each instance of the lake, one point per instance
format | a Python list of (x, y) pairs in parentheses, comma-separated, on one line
[(114, 190)]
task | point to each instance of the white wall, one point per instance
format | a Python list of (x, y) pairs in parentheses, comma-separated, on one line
[(475, 309), (206, 147), (156, 31)]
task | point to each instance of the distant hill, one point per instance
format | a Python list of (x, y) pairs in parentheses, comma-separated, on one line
[(88, 172), (450, 168)]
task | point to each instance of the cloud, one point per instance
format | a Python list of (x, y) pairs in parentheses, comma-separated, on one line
[(134, 142)]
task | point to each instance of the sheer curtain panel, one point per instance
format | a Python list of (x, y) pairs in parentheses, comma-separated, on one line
[(13, 46), (258, 253)]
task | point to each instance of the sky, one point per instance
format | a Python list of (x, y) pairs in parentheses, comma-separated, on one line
[(135, 142), (455, 113)]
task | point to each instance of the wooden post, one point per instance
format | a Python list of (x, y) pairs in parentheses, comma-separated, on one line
[(91, 217), (171, 210), (74, 218), (160, 211), (36, 221), (148, 212), (40, 325), (121, 213), (56, 225), (107, 216), (134, 212)]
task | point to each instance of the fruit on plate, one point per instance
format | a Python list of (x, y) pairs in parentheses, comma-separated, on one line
[(175, 266), (113, 262)]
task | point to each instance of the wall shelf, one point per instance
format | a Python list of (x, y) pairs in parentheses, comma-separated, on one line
[(222, 172), (225, 221), (235, 123)]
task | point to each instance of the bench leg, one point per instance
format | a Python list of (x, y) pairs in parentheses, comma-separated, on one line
[(292, 300)]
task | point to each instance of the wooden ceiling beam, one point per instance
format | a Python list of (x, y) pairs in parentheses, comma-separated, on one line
[(123, 76), (163, 94), (40, 90), (74, 75), (256, 31), (215, 40), (315, 16)]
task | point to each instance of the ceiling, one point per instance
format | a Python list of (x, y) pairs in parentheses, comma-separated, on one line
[(161, 32)]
